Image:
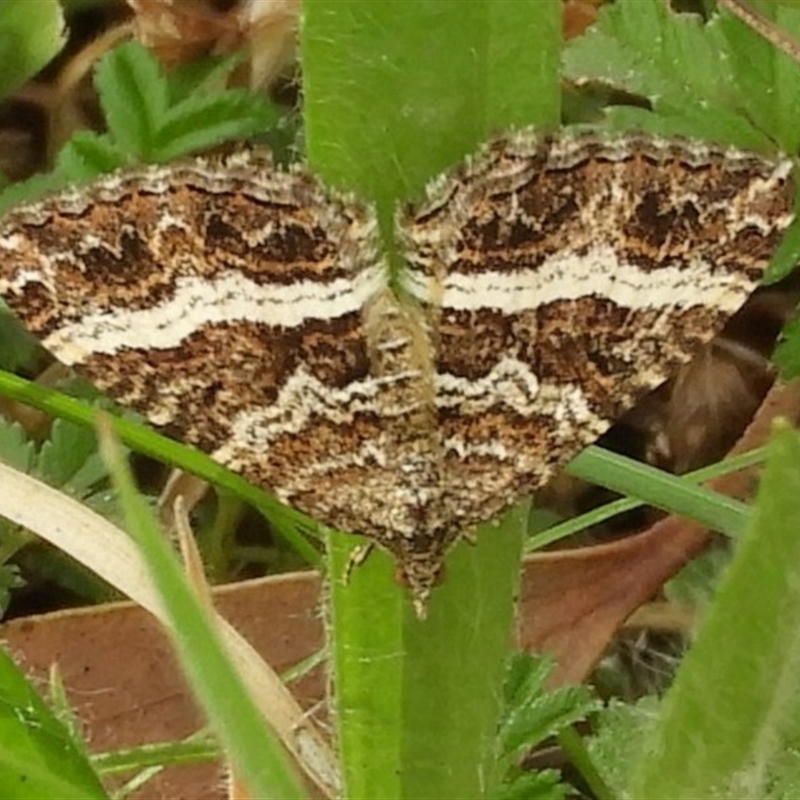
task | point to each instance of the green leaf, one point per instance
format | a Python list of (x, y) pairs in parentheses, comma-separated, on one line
[(787, 255), (620, 732), (16, 449), (412, 87), (204, 121), (207, 74), (674, 59), (30, 190), (695, 585), (419, 701), (87, 155), (525, 677), (37, 756), (134, 97), (18, 348), (533, 713), (31, 34), (148, 118), (544, 784), (91, 472), (736, 697), (547, 533), (64, 712), (767, 80), (787, 353), (785, 777), (254, 752), (65, 452)]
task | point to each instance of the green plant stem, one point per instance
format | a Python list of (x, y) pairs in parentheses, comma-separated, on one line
[(190, 751), (418, 699), (573, 745), (395, 93)]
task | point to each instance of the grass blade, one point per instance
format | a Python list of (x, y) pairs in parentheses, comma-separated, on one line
[(251, 746)]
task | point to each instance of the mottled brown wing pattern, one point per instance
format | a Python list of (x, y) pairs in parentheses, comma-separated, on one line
[(571, 275), (248, 310), (226, 301)]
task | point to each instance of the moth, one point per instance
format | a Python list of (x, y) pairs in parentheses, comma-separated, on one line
[(549, 282)]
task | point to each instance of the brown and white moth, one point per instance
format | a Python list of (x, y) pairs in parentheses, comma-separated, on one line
[(550, 281)]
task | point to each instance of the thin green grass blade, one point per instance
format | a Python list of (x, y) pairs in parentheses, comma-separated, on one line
[(253, 749), (727, 719), (661, 489), (597, 515), (192, 750), (139, 437)]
